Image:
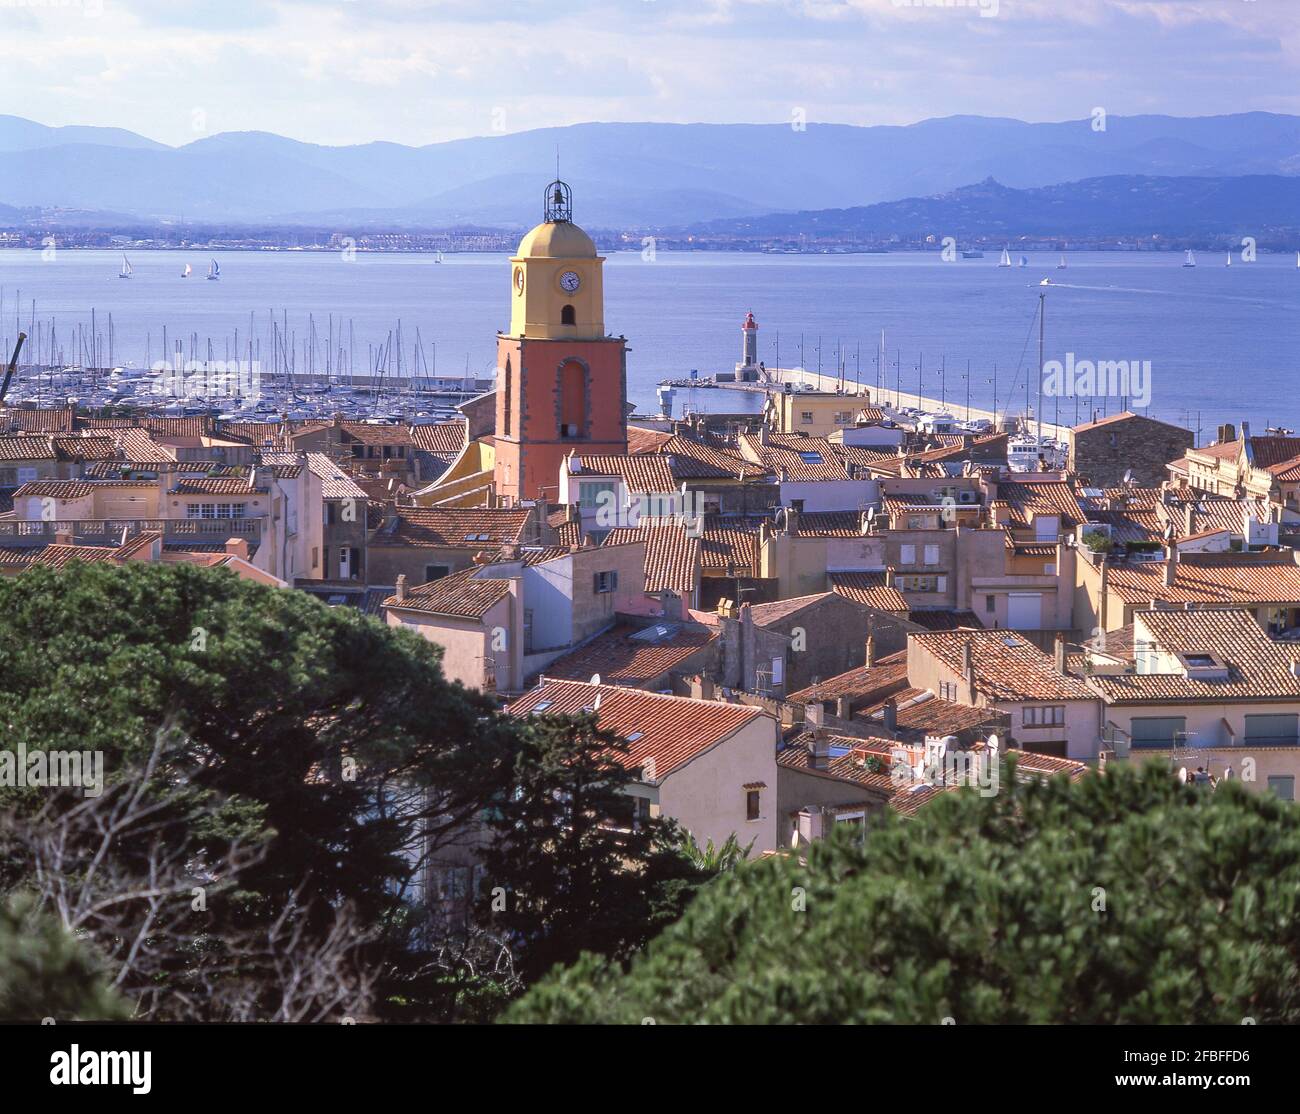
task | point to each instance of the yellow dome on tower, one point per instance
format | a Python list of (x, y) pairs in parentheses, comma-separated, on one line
[(557, 240)]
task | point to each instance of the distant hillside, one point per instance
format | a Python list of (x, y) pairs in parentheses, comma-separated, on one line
[(1119, 206), (624, 175)]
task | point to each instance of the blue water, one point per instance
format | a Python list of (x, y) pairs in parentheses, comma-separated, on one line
[(1224, 344)]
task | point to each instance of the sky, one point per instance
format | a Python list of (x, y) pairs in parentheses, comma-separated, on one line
[(422, 71)]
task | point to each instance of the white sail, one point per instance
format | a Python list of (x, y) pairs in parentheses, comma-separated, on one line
[(126, 268), (1006, 258), (1190, 261), (187, 272), (214, 271), (1061, 265)]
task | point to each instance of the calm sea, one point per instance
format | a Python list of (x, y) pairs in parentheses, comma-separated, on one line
[(1223, 343)]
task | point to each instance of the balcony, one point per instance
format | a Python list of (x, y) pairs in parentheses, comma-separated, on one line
[(18, 532)]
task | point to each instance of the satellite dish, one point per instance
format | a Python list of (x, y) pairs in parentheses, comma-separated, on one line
[(993, 744), (867, 520), (1128, 476), (1182, 774), (595, 678)]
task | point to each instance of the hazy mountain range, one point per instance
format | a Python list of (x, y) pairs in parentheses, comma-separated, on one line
[(624, 175), (1264, 206)]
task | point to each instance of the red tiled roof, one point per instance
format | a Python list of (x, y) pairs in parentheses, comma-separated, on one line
[(869, 589), (623, 658), (863, 685), (672, 560), (452, 527), (643, 472), (1044, 497), (1007, 666), (459, 595), (442, 439), (55, 489), (1211, 578), (216, 485), (673, 729)]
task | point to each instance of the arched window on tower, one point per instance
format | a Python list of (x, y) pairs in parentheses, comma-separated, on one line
[(573, 400), (568, 316), (507, 399)]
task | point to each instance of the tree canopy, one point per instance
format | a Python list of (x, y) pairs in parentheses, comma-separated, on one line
[(1124, 897)]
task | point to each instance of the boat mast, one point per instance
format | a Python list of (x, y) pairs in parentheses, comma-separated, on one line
[(1042, 325)]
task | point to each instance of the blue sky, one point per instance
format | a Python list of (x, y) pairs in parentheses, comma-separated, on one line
[(419, 71)]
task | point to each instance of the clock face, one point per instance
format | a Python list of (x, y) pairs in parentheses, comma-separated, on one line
[(519, 280), (570, 281)]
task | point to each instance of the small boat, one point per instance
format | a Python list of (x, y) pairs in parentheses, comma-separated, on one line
[(1297, 260), (1046, 282), (1024, 261), (1190, 261), (125, 272), (214, 272), (187, 272), (1005, 261), (1061, 265), (974, 253), (1229, 263), (438, 258)]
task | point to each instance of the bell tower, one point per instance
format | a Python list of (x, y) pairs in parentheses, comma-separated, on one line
[(561, 381)]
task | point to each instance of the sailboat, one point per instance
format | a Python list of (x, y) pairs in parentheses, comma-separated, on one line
[(438, 258), (187, 272), (1061, 265), (214, 272), (1024, 261), (125, 272), (1229, 263), (1005, 261), (1190, 261)]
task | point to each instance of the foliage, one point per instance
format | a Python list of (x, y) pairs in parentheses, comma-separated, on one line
[(1122, 898), (716, 860), (46, 972), (327, 741), (570, 868), (1098, 542)]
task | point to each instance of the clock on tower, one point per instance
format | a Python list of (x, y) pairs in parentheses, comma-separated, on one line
[(561, 381)]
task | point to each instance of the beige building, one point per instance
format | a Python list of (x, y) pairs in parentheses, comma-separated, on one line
[(1203, 689), (708, 765)]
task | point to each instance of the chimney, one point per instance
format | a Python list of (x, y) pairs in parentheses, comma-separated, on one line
[(400, 590), (1189, 518), (764, 434), (814, 715), (64, 537), (671, 603), (843, 708), (1171, 562), (237, 547), (1058, 653), (819, 750), (871, 651), (891, 716), (968, 660)]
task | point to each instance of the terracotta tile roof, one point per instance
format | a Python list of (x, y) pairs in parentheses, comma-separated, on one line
[(453, 527), (216, 485), (256, 434), (673, 730), (830, 524), (797, 457), (167, 428), (60, 556), (1270, 452), (920, 712), (27, 446), (369, 434), (442, 439), (38, 421), (861, 686), (1257, 667), (1288, 471), (1211, 578), (138, 446), (691, 460), (644, 472), (19, 556), (868, 589), (568, 533), (335, 483), (459, 595), (1209, 512), (1222, 450), (641, 440), (1041, 497), (725, 545), (1007, 666), (628, 655), (55, 489), (84, 447), (767, 614), (672, 560), (938, 619)]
